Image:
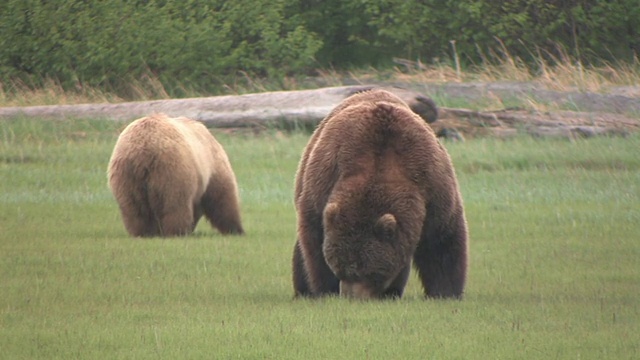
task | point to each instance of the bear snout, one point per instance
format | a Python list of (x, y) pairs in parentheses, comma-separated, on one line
[(356, 290)]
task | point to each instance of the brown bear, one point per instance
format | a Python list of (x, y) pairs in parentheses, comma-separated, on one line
[(374, 191), (166, 172)]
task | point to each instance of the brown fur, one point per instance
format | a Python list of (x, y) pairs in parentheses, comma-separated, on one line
[(166, 172), (375, 190)]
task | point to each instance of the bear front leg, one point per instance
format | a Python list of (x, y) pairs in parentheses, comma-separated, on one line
[(396, 289), (300, 283), (320, 278), (441, 261)]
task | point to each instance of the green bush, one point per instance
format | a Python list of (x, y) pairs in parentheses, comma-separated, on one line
[(203, 44), (193, 43), (374, 31), (590, 31)]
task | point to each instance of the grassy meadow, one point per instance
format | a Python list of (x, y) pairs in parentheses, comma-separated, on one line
[(554, 272)]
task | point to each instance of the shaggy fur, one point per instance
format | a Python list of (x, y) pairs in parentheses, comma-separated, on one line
[(166, 172), (375, 191)]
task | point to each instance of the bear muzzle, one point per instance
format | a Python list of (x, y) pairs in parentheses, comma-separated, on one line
[(363, 290), (356, 290)]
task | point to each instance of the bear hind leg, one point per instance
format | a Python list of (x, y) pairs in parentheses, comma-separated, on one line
[(140, 225), (177, 223), (172, 214), (137, 216), (221, 207)]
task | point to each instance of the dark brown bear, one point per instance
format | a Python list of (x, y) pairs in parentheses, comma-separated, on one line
[(375, 190), (165, 173)]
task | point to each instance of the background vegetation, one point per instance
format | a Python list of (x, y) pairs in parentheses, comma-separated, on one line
[(203, 45), (553, 223), (554, 252)]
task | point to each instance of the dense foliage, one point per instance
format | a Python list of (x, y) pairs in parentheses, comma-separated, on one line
[(202, 43), (106, 43)]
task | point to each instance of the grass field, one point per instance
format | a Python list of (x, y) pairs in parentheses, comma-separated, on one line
[(554, 274)]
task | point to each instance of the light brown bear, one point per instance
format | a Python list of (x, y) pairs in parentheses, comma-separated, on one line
[(166, 172), (374, 191)]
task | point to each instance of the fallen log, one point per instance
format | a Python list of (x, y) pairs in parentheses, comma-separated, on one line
[(305, 107), (519, 117), (510, 122)]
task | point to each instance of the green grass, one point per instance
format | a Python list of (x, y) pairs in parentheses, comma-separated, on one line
[(554, 268)]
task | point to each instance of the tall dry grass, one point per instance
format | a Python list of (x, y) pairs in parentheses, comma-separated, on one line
[(557, 71)]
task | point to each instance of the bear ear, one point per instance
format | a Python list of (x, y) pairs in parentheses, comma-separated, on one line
[(386, 226), (331, 212)]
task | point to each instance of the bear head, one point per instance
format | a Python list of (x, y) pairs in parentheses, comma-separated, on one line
[(368, 248)]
